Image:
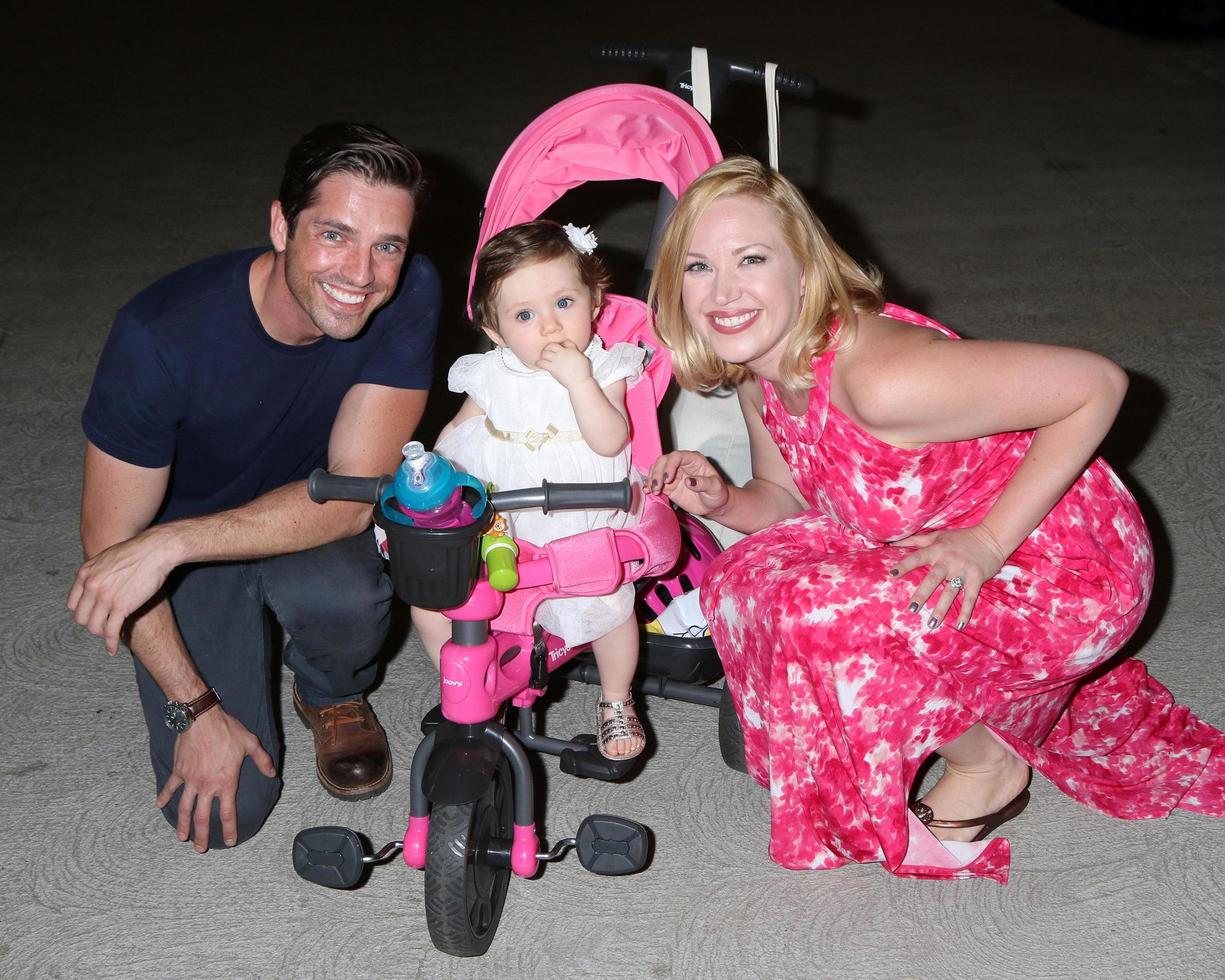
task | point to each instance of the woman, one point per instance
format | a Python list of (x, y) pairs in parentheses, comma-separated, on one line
[(940, 564)]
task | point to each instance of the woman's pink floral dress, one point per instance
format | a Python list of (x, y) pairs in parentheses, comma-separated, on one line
[(842, 692)]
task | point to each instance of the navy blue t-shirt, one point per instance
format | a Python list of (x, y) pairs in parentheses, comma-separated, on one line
[(189, 378)]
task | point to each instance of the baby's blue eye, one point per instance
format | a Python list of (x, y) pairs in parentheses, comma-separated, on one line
[(523, 316), (565, 303)]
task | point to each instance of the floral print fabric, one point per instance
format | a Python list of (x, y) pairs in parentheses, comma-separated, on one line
[(842, 692)]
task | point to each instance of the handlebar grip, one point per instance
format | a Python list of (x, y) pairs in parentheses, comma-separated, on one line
[(567, 496), (785, 81), (587, 496), (323, 486), (635, 52)]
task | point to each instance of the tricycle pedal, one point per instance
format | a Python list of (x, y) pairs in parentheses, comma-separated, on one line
[(330, 856), (609, 845)]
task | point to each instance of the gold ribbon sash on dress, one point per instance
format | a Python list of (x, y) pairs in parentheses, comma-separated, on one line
[(532, 438)]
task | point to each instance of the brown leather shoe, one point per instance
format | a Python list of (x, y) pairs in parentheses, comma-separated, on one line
[(352, 757)]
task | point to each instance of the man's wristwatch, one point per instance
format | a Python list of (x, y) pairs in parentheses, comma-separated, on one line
[(179, 715)]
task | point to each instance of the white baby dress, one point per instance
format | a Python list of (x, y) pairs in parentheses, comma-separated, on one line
[(529, 433)]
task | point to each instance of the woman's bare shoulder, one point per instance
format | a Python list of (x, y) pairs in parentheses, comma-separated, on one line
[(880, 348), (876, 376)]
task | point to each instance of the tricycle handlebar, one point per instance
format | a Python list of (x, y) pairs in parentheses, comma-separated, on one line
[(323, 486), (566, 496)]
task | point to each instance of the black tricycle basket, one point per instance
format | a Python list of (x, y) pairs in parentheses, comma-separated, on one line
[(435, 567)]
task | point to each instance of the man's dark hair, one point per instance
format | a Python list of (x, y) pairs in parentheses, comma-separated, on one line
[(359, 149)]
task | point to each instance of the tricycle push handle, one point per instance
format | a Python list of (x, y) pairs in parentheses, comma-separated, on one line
[(323, 486), (676, 60)]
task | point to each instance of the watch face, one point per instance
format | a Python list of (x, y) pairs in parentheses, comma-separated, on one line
[(176, 717)]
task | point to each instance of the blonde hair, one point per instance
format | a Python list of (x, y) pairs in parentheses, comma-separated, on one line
[(833, 283)]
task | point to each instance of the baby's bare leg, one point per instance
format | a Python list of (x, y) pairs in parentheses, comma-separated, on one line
[(434, 629), (616, 655)]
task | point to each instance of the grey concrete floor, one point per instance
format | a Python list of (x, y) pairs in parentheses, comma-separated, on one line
[(1015, 170)]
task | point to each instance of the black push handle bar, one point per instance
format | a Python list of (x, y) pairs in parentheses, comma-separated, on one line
[(323, 486), (677, 60)]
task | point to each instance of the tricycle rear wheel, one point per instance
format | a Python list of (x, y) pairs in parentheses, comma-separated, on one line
[(731, 736)]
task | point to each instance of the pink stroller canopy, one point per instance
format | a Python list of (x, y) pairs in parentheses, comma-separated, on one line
[(614, 132)]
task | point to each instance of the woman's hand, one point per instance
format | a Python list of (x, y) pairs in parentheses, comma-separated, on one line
[(970, 554), (690, 482)]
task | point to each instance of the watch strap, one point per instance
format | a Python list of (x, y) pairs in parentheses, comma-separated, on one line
[(197, 707)]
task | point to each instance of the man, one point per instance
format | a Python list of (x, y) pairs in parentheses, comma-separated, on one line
[(220, 388)]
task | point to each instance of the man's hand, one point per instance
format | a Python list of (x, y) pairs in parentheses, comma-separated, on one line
[(116, 582), (207, 760)]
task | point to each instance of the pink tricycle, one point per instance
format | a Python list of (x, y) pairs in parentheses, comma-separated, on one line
[(471, 811)]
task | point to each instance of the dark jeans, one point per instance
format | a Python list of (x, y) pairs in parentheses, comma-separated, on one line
[(333, 602)]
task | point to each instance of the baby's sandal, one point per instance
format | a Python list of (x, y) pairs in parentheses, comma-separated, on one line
[(622, 724)]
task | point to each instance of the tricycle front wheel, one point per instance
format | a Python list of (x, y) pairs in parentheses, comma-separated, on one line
[(464, 892)]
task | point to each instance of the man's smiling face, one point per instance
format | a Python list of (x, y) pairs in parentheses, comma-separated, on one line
[(343, 260)]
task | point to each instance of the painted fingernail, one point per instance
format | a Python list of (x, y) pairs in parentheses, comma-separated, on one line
[(961, 625), (933, 623), (914, 607), (894, 573)]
